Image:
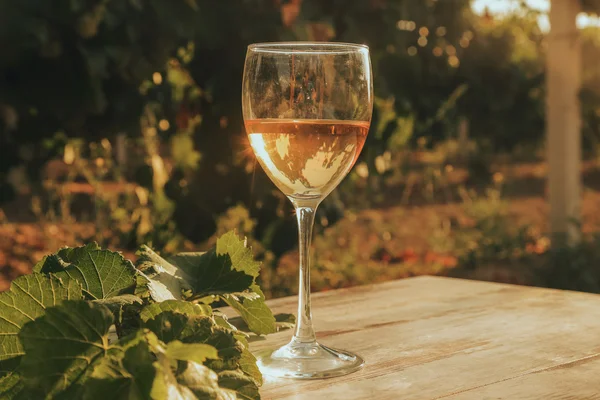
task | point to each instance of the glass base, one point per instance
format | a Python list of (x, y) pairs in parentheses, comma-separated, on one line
[(307, 361)]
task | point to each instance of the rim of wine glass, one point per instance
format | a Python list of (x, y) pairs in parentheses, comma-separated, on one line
[(308, 47)]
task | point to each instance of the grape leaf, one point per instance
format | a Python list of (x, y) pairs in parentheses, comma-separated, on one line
[(116, 302), (55, 263), (249, 367), (284, 321), (239, 296), (213, 273), (222, 320), (183, 307), (11, 386), (127, 375), (203, 382), (255, 313), (163, 280), (166, 385), (61, 345), (169, 326), (144, 370), (241, 255), (243, 386), (27, 299), (176, 349), (196, 352), (102, 273), (159, 286), (228, 268)]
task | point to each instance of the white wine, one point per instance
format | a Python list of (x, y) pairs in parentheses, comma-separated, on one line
[(306, 158)]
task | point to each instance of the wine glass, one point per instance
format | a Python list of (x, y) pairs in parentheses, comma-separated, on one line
[(307, 109)]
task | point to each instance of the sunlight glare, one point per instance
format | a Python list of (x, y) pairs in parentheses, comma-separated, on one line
[(503, 7)]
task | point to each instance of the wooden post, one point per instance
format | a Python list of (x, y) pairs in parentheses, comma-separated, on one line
[(563, 120)]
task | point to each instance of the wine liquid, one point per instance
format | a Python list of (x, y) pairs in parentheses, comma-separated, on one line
[(306, 158)]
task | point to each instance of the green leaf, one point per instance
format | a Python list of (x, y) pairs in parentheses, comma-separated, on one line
[(255, 313), (249, 367), (213, 273), (196, 352), (48, 261), (55, 262), (28, 298), (102, 273), (141, 286), (222, 320), (159, 287), (245, 295), (163, 280), (166, 385), (61, 345), (228, 268), (243, 386), (241, 255), (203, 382), (183, 307), (115, 303), (175, 349), (142, 371), (127, 375), (285, 321), (169, 326), (11, 386)]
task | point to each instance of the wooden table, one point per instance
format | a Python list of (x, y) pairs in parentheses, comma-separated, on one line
[(441, 338)]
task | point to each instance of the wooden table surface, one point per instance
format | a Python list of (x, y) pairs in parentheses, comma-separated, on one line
[(442, 338)]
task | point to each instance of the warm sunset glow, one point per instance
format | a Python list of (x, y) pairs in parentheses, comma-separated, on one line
[(164, 125), (453, 61)]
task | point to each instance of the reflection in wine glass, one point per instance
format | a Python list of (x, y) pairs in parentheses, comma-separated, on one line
[(306, 164)]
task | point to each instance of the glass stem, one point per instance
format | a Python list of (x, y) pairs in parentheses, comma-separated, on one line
[(304, 332)]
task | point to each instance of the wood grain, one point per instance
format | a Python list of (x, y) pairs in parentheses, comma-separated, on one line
[(442, 338)]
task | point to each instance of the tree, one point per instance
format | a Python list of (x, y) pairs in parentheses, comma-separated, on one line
[(504, 70), (76, 68)]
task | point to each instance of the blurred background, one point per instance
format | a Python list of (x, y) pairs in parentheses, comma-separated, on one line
[(120, 122)]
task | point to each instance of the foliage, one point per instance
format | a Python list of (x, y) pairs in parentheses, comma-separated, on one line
[(479, 238), (58, 326), (158, 81), (573, 267), (490, 237), (504, 70), (493, 247), (95, 52), (404, 38)]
